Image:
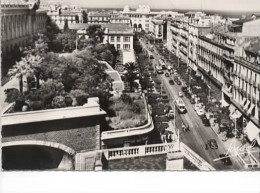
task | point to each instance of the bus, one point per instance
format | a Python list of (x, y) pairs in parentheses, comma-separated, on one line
[(180, 105)]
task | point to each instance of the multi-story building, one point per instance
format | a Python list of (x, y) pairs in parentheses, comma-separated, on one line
[(99, 17), (119, 35), (157, 28), (246, 81), (20, 20), (229, 56), (60, 15)]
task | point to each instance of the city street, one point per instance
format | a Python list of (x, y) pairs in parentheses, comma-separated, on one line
[(199, 134)]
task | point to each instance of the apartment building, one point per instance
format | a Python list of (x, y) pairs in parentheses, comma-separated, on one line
[(61, 14), (99, 17), (20, 20), (119, 35), (246, 84), (157, 28)]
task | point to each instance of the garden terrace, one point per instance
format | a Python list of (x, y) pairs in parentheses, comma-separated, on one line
[(129, 111)]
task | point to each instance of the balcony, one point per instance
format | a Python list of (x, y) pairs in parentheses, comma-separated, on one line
[(248, 64), (227, 90)]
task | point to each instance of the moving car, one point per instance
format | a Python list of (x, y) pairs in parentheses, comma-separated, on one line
[(180, 94), (171, 82), (167, 75), (169, 68), (212, 144), (180, 105)]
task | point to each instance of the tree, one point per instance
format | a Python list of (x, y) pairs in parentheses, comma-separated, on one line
[(130, 75), (66, 41), (66, 26), (20, 70)]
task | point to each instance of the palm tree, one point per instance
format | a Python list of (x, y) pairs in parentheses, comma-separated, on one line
[(35, 63), (130, 75), (19, 70)]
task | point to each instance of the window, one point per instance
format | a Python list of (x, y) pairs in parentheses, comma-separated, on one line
[(112, 38), (126, 46), (118, 46), (118, 38), (126, 39)]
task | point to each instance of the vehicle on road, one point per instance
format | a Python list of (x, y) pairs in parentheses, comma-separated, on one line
[(185, 127), (169, 68), (180, 105), (212, 144), (192, 100), (159, 71), (206, 122), (171, 114), (179, 82), (171, 82), (196, 106), (200, 112), (225, 159), (180, 94), (167, 74)]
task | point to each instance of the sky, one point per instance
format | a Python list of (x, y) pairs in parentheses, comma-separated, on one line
[(225, 5)]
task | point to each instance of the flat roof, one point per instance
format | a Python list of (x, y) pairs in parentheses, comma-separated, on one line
[(91, 108), (118, 28)]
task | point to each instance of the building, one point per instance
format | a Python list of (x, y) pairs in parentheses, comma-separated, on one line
[(61, 14), (119, 35), (228, 56), (157, 28), (98, 17), (20, 20), (246, 83), (29, 138)]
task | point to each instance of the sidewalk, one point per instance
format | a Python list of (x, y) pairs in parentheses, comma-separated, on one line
[(234, 143)]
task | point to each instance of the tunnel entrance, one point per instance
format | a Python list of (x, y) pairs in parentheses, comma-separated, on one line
[(30, 157)]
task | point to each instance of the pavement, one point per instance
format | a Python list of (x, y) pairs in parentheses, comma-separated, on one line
[(199, 134)]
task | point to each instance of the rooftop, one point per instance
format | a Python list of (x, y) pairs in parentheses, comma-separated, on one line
[(89, 109), (118, 28), (254, 46), (98, 14)]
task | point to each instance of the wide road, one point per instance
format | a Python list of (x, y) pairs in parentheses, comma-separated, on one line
[(198, 135)]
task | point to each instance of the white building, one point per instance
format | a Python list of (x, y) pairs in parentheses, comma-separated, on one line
[(119, 35)]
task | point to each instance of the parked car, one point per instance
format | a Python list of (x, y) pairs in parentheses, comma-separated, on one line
[(212, 144), (171, 114), (196, 106), (180, 94), (225, 159), (159, 71), (206, 122), (200, 112), (192, 100), (171, 82), (167, 75)]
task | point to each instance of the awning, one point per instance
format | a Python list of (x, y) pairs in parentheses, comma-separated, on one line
[(232, 108), (250, 109), (253, 132), (243, 102), (247, 105), (236, 114), (224, 103)]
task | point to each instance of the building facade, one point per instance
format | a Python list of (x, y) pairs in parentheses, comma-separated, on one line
[(19, 22), (99, 17), (119, 35)]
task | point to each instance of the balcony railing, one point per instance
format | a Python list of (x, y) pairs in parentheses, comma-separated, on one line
[(145, 150), (246, 63)]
